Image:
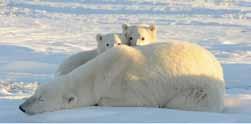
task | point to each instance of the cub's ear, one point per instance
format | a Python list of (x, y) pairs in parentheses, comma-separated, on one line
[(70, 99), (99, 37), (125, 27), (153, 27)]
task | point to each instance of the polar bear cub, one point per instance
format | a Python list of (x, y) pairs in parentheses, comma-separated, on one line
[(107, 41), (104, 42), (142, 34)]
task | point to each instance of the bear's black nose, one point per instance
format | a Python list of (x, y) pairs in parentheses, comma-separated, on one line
[(20, 107), (129, 43)]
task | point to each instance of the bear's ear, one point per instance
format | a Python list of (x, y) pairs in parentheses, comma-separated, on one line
[(99, 37), (153, 27), (125, 27), (69, 99)]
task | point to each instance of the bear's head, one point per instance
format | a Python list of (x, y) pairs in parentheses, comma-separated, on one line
[(107, 41), (139, 34), (49, 98)]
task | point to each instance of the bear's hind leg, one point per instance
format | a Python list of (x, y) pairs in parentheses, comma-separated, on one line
[(195, 99)]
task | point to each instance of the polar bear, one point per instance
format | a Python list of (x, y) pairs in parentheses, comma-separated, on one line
[(104, 42), (108, 41), (178, 75), (142, 34)]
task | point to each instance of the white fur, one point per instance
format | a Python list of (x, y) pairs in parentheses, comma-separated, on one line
[(107, 41), (149, 33), (176, 75), (142, 34), (80, 58), (75, 61)]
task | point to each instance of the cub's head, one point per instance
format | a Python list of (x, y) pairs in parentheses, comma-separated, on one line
[(48, 98), (108, 41), (139, 34)]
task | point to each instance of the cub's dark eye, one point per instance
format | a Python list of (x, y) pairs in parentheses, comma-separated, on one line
[(119, 43), (107, 44), (142, 38), (130, 38)]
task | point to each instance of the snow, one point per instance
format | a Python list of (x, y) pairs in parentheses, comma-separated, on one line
[(37, 35), (126, 114), (16, 90)]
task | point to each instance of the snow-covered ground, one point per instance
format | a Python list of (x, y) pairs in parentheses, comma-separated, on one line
[(36, 35)]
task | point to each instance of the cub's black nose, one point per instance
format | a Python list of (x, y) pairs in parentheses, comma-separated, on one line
[(20, 107), (129, 43)]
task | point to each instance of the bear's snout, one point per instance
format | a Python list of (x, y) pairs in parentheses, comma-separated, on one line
[(22, 109), (129, 43)]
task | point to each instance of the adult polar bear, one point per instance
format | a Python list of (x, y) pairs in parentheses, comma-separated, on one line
[(176, 75)]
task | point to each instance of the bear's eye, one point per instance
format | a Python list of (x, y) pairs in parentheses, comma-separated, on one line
[(70, 99), (119, 43), (107, 44), (40, 99), (130, 38), (142, 38)]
